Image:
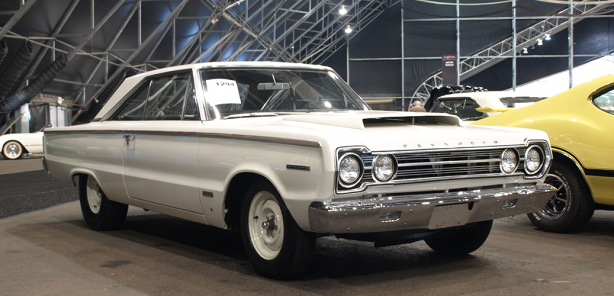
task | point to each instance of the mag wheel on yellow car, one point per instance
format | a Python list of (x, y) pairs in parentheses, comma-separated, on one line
[(570, 208)]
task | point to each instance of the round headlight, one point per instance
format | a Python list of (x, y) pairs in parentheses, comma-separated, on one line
[(383, 167), (533, 160), (509, 161), (350, 169)]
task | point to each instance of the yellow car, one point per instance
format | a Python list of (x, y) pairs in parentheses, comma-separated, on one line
[(580, 124)]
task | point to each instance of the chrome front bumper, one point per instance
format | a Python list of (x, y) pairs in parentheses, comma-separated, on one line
[(426, 211)]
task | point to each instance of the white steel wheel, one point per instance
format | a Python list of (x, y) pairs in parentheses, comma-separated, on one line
[(94, 195), (12, 150), (266, 225), (275, 245)]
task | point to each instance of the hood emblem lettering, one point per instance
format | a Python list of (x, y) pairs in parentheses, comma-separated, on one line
[(446, 144), (433, 145), (496, 142), (419, 145), (405, 145), (484, 142), (471, 143), (460, 143)]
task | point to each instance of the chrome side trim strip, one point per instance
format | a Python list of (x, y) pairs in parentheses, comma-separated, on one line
[(295, 142), (287, 141)]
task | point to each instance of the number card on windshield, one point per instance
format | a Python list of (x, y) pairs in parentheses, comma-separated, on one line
[(222, 91)]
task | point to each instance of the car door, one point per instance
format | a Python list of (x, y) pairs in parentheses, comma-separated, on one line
[(161, 143)]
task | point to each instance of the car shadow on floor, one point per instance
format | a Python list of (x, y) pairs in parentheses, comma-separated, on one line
[(163, 245)]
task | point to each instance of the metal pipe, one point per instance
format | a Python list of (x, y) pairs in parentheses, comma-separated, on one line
[(153, 34), (402, 59), (16, 17), (514, 46)]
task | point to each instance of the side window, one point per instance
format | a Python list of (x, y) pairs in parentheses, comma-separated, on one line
[(191, 107), (605, 101), (166, 98), (133, 108)]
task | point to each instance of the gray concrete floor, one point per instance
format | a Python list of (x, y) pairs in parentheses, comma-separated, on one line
[(52, 252)]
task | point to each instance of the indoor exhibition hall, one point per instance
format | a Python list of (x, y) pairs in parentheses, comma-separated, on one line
[(306, 147)]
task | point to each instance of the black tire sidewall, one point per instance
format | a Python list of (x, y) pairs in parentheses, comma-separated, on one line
[(281, 266), (580, 208), (111, 214)]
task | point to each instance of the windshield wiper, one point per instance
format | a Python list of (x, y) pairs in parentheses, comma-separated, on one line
[(254, 114)]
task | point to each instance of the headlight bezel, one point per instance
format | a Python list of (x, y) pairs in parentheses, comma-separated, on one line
[(542, 159), (517, 162), (395, 167), (360, 175)]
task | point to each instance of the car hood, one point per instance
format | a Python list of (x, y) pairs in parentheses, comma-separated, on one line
[(379, 131)]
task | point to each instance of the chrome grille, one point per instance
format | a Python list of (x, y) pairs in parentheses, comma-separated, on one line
[(441, 164), (445, 164)]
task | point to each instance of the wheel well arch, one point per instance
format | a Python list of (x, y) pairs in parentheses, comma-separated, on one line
[(235, 194), (571, 162)]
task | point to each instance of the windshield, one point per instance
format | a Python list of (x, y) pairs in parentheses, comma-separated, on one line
[(461, 107), (262, 91)]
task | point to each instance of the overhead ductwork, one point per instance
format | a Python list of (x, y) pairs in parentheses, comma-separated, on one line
[(15, 101), (18, 64), (4, 50)]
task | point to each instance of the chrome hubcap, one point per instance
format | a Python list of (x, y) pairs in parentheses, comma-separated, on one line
[(94, 195), (558, 205), (12, 150), (266, 225)]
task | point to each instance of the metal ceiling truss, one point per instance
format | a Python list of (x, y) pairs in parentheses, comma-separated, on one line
[(307, 31), (524, 39)]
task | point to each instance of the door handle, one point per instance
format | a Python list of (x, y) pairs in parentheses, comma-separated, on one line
[(129, 138)]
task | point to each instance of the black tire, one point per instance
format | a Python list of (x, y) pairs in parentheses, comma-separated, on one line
[(284, 257), (572, 206), (461, 241), (110, 215), (12, 150)]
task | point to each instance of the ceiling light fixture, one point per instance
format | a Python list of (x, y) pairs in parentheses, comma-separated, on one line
[(348, 29), (525, 50), (343, 11), (547, 36), (540, 42)]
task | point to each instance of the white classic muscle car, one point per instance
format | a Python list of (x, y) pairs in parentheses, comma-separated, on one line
[(284, 153)]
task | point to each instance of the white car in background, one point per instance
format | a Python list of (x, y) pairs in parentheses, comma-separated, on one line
[(472, 106), (15, 146)]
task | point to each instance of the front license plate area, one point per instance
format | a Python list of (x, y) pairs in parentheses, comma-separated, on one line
[(450, 215)]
